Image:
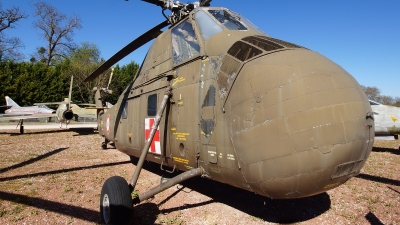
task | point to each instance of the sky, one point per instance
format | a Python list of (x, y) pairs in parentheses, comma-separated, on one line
[(362, 36)]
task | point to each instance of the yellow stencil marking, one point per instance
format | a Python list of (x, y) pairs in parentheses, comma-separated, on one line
[(181, 136), (177, 80), (180, 160), (393, 118)]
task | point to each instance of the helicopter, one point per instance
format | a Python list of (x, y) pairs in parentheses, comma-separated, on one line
[(216, 97)]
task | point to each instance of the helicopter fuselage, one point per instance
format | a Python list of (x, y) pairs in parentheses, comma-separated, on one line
[(254, 112)]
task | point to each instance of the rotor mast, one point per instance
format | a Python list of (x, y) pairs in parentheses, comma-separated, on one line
[(179, 10)]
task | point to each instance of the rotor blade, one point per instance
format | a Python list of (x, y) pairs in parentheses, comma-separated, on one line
[(135, 44), (156, 2), (109, 81)]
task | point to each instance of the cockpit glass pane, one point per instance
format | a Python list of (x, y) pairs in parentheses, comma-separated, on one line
[(184, 42), (247, 22), (208, 27), (227, 20)]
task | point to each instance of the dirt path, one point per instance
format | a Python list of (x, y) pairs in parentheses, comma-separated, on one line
[(50, 177)]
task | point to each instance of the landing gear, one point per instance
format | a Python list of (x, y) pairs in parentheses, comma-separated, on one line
[(21, 126), (104, 144), (116, 202)]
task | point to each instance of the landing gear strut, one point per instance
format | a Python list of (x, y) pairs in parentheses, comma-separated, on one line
[(116, 200), (21, 126)]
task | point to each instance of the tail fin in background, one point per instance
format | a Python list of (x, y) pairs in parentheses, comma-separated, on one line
[(97, 97), (10, 102)]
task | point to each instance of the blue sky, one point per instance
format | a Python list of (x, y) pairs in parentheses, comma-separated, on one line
[(362, 36)]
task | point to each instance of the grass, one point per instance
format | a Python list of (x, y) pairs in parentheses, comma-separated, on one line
[(67, 188)]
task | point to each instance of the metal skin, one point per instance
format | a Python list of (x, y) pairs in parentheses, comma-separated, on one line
[(283, 122)]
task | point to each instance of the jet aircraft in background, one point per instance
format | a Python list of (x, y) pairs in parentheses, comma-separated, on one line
[(75, 111), (386, 119), (64, 113), (15, 110)]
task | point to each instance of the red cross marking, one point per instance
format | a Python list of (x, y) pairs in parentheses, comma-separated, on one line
[(155, 144)]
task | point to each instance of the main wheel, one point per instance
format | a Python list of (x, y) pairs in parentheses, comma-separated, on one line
[(116, 202), (104, 145), (21, 129)]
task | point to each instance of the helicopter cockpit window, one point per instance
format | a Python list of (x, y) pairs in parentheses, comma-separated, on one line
[(226, 19), (208, 27), (247, 22), (184, 42), (152, 105), (125, 111)]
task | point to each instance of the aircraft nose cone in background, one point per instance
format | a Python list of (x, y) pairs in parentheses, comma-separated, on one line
[(299, 123)]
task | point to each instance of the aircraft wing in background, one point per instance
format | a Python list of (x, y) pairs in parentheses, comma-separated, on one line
[(4, 117)]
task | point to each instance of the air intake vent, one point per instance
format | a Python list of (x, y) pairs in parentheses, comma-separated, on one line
[(264, 44), (243, 51), (229, 65), (347, 169)]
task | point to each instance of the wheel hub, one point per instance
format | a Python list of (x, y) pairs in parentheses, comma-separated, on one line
[(106, 208)]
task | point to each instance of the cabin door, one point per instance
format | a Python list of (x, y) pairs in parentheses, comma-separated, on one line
[(207, 111), (184, 116)]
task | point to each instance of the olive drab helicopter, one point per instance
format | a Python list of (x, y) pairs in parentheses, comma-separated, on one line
[(216, 97)]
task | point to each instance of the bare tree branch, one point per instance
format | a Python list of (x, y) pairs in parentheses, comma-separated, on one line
[(57, 29), (9, 46)]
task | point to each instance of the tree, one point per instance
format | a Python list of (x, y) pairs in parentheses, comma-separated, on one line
[(397, 101), (122, 77), (9, 45), (80, 63), (57, 29), (27, 83), (372, 93)]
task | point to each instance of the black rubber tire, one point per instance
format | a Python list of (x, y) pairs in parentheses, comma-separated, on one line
[(21, 129), (116, 191)]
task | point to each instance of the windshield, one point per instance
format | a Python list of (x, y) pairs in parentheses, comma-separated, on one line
[(227, 20), (246, 22), (208, 27), (184, 42), (44, 107)]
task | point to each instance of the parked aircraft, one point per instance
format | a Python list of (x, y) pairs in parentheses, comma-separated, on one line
[(216, 97), (15, 110), (64, 113), (386, 118), (21, 113), (74, 112)]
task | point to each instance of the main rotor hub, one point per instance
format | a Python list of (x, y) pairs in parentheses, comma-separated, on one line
[(179, 10)]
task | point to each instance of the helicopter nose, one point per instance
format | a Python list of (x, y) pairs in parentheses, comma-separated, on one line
[(299, 124)]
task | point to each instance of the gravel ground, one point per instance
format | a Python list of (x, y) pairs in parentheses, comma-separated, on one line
[(55, 177)]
